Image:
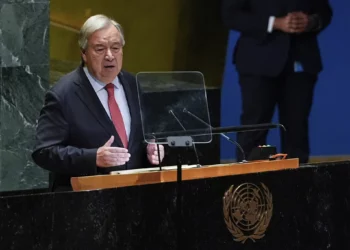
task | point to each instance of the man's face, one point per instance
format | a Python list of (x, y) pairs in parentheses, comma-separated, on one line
[(104, 54)]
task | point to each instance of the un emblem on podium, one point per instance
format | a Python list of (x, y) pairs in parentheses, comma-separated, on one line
[(247, 211)]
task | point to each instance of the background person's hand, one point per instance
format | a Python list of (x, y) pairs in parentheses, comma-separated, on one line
[(295, 22), (108, 156)]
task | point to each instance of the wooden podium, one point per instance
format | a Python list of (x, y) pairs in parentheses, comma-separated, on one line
[(152, 177)]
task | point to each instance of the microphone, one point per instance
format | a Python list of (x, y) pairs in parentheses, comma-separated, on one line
[(178, 121), (222, 134), (194, 145)]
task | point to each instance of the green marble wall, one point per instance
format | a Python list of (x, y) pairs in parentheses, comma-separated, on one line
[(24, 78)]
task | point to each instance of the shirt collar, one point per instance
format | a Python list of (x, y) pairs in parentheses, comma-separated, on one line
[(98, 85)]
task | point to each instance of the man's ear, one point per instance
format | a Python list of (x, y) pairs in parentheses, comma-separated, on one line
[(83, 55)]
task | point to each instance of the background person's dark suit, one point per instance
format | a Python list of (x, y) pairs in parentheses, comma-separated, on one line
[(265, 64), (73, 125)]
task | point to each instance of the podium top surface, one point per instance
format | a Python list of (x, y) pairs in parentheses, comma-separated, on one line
[(152, 176)]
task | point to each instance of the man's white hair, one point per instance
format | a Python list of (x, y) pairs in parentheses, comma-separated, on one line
[(95, 23)]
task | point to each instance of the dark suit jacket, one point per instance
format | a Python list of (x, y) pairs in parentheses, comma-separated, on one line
[(258, 52), (73, 125)]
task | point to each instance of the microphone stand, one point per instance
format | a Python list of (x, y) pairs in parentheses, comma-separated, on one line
[(179, 143), (160, 162)]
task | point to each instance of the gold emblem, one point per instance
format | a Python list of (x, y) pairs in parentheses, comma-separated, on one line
[(247, 211)]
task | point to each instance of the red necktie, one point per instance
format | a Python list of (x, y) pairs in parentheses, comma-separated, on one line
[(116, 115)]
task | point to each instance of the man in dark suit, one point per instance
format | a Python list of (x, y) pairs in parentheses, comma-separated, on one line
[(278, 60), (90, 123)]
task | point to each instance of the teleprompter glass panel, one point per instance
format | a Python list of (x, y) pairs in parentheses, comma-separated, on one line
[(173, 104)]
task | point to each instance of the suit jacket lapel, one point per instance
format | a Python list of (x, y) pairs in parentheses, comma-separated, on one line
[(88, 96), (132, 107)]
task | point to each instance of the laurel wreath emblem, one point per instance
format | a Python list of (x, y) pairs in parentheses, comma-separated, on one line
[(265, 216)]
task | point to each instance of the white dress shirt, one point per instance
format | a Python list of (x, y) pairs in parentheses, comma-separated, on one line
[(119, 95)]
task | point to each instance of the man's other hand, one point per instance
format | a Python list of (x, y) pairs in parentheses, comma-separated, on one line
[(108, 156), (152, 153)]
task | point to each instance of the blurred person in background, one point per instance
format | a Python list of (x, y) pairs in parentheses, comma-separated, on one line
[(278, 60)]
